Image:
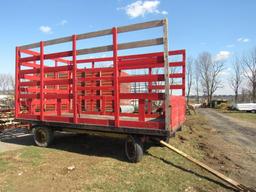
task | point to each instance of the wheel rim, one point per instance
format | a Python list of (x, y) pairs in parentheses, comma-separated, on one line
[(41, 136), (130, 148)]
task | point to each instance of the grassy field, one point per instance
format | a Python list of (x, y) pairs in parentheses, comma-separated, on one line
[(100, 165), (251, 117)]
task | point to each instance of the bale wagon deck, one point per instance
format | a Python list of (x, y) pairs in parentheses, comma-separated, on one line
[(139, 94)]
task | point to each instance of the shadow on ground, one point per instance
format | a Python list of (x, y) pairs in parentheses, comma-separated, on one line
[(191, 172), (80, 143), (98, 146)]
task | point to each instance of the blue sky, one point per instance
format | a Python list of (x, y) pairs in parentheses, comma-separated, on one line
[(223, 27)]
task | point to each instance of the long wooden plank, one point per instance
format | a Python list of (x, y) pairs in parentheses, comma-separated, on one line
[(95, 50), (106, 48), (230, 181), (122, 29), (94, 34), (122, 46), (140, 26), (137, 44)]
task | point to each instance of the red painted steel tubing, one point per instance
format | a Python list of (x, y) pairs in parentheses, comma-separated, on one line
[(116, 78), (17, 80), (42, 81), (74, 86), (184, 74)]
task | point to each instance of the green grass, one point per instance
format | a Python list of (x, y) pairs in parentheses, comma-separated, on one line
[(160, 170), (251, 117), (3, 165), (32, 155)]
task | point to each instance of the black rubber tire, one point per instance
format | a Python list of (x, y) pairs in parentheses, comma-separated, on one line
[(167, 139), (133, 149), (43, 136)]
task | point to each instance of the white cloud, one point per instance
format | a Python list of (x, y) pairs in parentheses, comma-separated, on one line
[(164, 12), (222, 55), (243, 40), (45, 29), (141, 8), (63, 22)]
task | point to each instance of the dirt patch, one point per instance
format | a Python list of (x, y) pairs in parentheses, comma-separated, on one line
[(229, 145)]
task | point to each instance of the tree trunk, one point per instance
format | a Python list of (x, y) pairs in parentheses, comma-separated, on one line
[(236, 97)]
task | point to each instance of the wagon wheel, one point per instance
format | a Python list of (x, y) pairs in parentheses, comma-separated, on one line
[(43, 136), (133, 149)]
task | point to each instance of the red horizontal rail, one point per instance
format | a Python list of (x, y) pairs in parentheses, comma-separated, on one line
[(103, 122), (94, 60), (103, 88), (147, 78), (28, 71), (30, 77), (141, 78), (34, 53), (30, 83), (47, 96), (58, 119), (177, 64), (163, 87), (27, 64), (58, 82), (84, 79), (58, 69), (95, 97), (28, 116), (58, 96), (29, 96), (177, 52), (152, 96), (47, 56), (141, 66), (100, 69), (145, 125)]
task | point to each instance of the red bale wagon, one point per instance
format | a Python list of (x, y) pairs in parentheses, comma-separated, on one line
[(140, 96)]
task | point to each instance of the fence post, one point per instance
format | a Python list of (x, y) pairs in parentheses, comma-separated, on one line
[(74, 76), (42, 80), (166, 76), (116, 78)]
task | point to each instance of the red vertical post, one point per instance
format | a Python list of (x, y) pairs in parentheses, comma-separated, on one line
[(116, 78), (103, 107), (58, 107), (17, 80), (41, 80), (150, 91), (69, 89), (56, 86), (141, 109), (184, 73), (74, 86)]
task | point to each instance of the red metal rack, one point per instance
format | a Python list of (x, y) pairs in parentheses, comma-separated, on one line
[(63, 94)]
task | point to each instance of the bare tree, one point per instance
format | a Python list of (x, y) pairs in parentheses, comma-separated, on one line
[(189, 75), (197, 79), (6, 83), (236, 78), (210, 70), (249, 68)]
